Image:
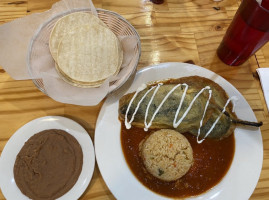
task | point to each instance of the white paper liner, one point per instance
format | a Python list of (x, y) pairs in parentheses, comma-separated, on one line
[(24, 52)]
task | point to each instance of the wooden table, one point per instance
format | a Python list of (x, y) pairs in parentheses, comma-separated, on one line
[(178, 31)]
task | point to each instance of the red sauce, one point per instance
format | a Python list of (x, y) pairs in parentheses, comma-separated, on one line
[(212, 160)]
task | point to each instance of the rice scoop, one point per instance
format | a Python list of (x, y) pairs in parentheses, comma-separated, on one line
[(167, 154)]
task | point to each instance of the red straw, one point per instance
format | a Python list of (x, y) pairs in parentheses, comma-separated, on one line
[(265, 4)]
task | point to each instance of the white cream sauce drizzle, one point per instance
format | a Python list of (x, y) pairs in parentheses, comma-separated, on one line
[(175, 124), (201, 122), (216, 121), (147, 110), (142, 87)]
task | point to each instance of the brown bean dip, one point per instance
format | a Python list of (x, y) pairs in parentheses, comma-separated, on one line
[(48, 165)]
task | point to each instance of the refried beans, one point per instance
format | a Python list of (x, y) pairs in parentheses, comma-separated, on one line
[(48, 165)]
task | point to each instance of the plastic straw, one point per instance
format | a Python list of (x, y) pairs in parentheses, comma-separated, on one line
[(265, 4)]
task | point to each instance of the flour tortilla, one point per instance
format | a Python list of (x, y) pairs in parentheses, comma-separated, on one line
[(68, 25), (90, 54)]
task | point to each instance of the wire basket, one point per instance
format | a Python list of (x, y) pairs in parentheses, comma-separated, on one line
[(116, 23)]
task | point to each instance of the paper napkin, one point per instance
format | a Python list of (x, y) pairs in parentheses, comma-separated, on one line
[(264, 79)]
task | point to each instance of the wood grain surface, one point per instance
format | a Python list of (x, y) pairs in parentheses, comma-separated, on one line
[(175, 31)]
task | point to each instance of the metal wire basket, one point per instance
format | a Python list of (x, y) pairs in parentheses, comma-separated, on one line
[(118, 25)]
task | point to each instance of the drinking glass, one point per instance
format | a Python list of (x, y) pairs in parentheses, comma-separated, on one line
[(248, 32)]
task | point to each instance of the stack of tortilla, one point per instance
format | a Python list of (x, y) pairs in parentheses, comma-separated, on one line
[(85, 50)]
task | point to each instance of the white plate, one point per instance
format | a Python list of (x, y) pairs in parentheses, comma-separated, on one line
[(16, 142), (238, 183)]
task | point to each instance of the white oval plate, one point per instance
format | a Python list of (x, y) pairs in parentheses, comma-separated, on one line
[(242, 177), (16, 142)]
